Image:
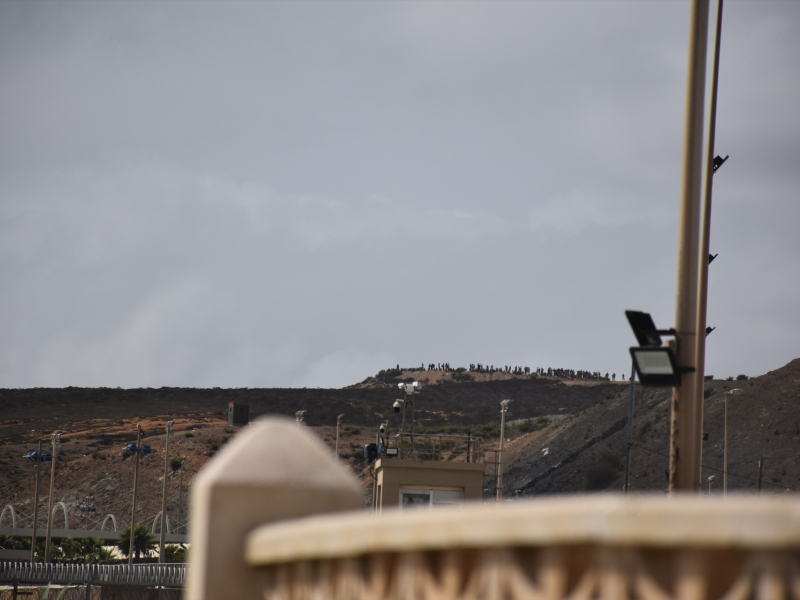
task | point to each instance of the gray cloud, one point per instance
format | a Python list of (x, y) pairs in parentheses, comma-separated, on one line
[(271, 194)]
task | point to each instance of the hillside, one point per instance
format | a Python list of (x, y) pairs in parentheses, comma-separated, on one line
[(93, 470), (583, 450), (588, 452)]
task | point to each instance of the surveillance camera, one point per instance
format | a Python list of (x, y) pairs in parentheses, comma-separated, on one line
[(397, 404), (381, 429)]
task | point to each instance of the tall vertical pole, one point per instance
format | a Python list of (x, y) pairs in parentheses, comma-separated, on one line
[(503, 409), (338, 425), (135, 485), (685, 434), (163, 537), (410, 398), (36, 500), (725, 451), (55, 441), (705, 244), (180, 498), (630, 430)]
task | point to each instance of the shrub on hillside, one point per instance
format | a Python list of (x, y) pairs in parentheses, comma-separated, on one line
[(530, 425), (604, 471), (461, 376), (742, 377)]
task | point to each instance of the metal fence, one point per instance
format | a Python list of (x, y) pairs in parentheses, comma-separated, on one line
[(167, 575)]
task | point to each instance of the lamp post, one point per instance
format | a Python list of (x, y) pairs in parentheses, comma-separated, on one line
[(163, 537), (711, 167), (710, 479), (686, 430), (338, 425), (503, 410), (410, 390), (733, 392), (55, 440), (136, 450), (37, 458), (299, 417)]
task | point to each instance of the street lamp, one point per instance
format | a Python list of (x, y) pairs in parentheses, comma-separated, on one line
[(37, 457), (338, 425), (137, 450), (733, 392), (163, 537), (55, 440), (710, 479), (503, 410), (410, 389)]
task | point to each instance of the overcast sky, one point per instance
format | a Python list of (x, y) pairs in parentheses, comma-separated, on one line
[(299, 194)]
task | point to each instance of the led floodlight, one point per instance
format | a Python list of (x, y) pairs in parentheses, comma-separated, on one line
[(656, 366)]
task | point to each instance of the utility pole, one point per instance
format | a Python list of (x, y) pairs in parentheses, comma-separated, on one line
[(55, 440), (503, 410), (163, 537), (702, 304), (36, 500), (685, 432), (760, 472), (135, 485)]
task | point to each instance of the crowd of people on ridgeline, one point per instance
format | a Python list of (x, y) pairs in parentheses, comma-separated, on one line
[(540, 372)]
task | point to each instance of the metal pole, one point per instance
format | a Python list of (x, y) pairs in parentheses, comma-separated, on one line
[(725, 452), (630, 430), (503, 409), (338, 424), (702, 304), (135, 485), (163, 537), (402, 430), (684, 435), (36, 501), (410, 398), (54, 440), (180, 498)]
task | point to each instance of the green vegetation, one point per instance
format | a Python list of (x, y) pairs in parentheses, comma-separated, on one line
[(68, 550), (707, 392), (189, 434), (388, 375), (100, 455), (351, 430), (461, 376), (144, 542), (604, 471), (742, 377), (529, 425), (175, 553), (176, 463), (230, 430)]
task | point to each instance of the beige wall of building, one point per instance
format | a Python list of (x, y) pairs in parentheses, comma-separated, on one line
[(395, 475)]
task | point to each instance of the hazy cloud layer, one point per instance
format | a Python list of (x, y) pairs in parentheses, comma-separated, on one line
[(301, 194)]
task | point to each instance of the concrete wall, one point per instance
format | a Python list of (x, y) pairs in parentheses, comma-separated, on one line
[(394, 474)]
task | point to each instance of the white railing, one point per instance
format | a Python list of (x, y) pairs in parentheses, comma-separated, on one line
[(168, 575)]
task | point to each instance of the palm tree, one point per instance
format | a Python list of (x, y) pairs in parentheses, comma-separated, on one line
[(143, 541)]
